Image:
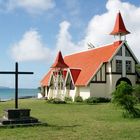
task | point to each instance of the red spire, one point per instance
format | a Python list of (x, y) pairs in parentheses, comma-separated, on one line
[(119, 27), (59, 62)]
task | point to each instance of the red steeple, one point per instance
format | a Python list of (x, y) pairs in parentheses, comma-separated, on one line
[(119, 28), (59, 62)]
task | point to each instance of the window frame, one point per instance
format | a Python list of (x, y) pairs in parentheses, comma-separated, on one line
[(119, 66), (128, 65)]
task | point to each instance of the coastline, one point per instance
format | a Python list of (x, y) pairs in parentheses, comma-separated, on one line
[(22, 97), (9, 94)]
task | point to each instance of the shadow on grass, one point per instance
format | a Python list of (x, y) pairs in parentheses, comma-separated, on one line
[(60, 127), (56, 127), (23, 125)]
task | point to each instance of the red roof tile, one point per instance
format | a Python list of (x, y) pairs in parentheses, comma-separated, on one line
[(45, 80), (75, 73), (59, 62), (119, 27), (64, 73), (90, 61), (84, 65)]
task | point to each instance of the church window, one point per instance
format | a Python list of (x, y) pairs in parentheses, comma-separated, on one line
[(119, 52), (119, 66), (128, 67)]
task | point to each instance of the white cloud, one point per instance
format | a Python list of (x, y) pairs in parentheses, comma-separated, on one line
[(31, 6), (64, 39), (97, 32), (100, 26), (30, 48), (73, 7)]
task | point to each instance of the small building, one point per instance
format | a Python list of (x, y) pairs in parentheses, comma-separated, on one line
[(95, 72)]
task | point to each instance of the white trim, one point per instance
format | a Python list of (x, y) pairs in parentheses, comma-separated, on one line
[(124, 42), (116, 51), (72, 68), (132, 52), (88, 50), (67, 76), (94, 74), (50, 78), (123, 62), (69, 72), (71, 77)]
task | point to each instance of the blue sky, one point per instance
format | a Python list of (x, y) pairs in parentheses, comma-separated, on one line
[(32, 32)]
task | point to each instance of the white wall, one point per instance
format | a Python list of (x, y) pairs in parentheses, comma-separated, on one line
[(111, 83), (100, 76), (72, 94), (98, 89), (84, 92), (132, 78)]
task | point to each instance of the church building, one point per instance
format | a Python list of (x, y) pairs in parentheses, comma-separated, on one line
[(95, 72)]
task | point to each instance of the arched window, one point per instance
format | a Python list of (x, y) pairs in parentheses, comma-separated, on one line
[(123, 79)]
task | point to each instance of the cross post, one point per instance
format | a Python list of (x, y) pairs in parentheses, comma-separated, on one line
[(16, 85), (16, 73)]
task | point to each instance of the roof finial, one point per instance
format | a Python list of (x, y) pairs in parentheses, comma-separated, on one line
[(119, 27), (59, 62)]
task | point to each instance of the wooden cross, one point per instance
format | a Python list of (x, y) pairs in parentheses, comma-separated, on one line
[(16, 72)]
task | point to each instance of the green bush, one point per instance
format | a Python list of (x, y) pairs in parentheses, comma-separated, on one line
[(103, 100), (56, 101), (92, 100), (68, 99), (123, 96), (78, 99), (137, 91)]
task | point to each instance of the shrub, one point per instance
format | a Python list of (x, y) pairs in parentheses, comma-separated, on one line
[(78, 99), (103, 100), (92, 100), (68, 99), (56, 101), (123, 96), (137, 91)]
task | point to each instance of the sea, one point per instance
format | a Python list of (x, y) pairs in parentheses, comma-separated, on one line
[(9, 93)]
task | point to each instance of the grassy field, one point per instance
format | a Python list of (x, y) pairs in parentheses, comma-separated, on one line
[(72, 122)]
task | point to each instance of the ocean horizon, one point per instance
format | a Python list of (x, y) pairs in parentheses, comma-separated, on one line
[(9, 93)]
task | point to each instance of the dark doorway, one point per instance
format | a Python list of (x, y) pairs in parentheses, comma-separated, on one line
[(123, 79)]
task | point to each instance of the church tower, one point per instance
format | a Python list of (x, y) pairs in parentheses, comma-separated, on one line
[(119, 30), (58, 75)]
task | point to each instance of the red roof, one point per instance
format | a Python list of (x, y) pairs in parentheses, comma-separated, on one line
[(87, 63), (59, 62), (64, 73), (75, 73), (119, 27), (45, 80)]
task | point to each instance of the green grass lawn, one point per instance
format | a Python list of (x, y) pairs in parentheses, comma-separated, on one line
[(72, 122)]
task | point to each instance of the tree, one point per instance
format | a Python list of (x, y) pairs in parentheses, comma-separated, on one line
[(137, 91), (124, 97), (138, 67)]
